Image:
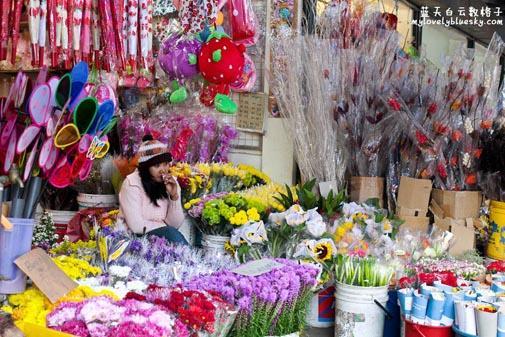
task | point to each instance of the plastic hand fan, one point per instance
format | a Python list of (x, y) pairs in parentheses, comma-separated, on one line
[(38, 105), (103, 117), (11, 151), (68, 135), (27, 137), (62, 93), (30, 161), (86, 170), (85, 114), (7, 130), (53, 158), (53, 84), (61, 177), (79, 77)]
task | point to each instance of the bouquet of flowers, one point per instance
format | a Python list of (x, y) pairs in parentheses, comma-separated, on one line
[(101, 316), (463, 269), (84, 250), (205, 313), (273, 303), (364, 230), (220, 216), (362, 272), (193, 183)]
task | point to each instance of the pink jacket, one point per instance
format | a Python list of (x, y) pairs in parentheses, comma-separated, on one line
[(140, 213)]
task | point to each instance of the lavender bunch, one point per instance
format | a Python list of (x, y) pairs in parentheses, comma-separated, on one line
[(274, 303), (156, 261)]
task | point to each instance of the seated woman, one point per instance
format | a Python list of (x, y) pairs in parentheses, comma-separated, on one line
[(150, 198)]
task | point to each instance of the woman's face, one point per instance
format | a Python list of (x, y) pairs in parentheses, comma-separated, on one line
[(158, 170)]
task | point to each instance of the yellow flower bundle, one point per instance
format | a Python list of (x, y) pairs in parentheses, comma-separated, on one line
[(265, 195), (76, 268), (32, 306)]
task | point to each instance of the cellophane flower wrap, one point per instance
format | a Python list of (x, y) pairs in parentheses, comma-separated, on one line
[(206, 314), (364, 230), (191, 136), (451, 110), (274, 303), (156, 261)]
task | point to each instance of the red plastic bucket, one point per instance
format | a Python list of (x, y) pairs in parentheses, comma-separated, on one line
[(418, 330)]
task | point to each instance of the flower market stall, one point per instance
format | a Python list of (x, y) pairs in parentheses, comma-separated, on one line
[(132, 204)]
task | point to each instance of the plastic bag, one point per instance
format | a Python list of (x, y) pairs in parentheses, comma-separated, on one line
[(242, 22)]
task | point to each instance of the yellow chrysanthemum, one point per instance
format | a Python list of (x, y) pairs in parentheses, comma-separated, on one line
[(341, 231), (348, 225), (76, 268), (253, 214)]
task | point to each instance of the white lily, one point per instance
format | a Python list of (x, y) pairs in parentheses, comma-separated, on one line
[(316, 227)]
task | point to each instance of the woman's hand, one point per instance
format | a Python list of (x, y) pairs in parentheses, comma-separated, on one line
[(171, 186)]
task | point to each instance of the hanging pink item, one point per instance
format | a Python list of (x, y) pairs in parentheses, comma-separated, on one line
[(247, 80), (42, 31), (34, 25), (133, 8), (51, 23), (144, 32), (117, 22), (242, 21), (4, 28), (86, 31), (70, 16), (107, 34), (61, 27), (78, 12), (124, 28), (15, 29), (196, 14), (95, 32)]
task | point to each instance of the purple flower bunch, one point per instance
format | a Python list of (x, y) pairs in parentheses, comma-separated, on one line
[(228, 134), (104, 317), (274, 303), (196, 210), (156, 261)]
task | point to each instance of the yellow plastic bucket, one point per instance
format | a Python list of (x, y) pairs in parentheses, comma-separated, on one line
[(32, 330), (496, 244)]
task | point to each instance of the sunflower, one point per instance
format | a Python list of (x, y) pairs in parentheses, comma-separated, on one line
[(322, 251)]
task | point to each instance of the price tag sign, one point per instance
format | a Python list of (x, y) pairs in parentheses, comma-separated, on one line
[(46, 275), (258, 267)]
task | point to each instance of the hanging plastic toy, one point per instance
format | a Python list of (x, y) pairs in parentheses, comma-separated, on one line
[(221, 63), (178, 58)]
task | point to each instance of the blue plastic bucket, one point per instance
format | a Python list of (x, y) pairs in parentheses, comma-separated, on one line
[(13, 244)]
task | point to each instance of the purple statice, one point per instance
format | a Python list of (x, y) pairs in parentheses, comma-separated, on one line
[(209, 126)]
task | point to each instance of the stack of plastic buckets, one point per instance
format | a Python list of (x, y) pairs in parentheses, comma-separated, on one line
[(13, 244)]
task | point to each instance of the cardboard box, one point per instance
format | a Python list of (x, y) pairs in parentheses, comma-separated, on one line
[(413, 196), (364, 188), (464, 233), (416, 223), (458, 204)]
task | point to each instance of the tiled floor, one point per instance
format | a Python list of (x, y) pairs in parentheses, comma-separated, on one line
[(314, 332)]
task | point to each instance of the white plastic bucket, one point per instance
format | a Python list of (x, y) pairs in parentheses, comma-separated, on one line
[(321, 313), (188, 230), (214, 243), (97, 200), (356, 313)]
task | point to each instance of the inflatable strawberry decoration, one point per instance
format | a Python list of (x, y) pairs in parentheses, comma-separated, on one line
[(221, 63)]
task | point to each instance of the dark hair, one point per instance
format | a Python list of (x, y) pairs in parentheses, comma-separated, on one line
[(154, 190)]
